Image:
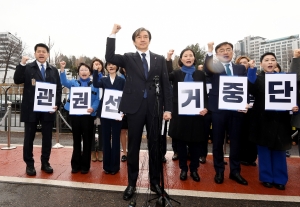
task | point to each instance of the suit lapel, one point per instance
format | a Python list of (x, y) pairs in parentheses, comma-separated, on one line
[(153, 60), (138, 61)]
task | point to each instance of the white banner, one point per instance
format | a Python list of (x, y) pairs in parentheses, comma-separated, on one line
[(233, 92), (80, 100), (110, 105), (44, 97), (190, 98), (280, 91)]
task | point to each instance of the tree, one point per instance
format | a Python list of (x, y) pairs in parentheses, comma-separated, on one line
[(199, 53), (175, 62), (11, 50)]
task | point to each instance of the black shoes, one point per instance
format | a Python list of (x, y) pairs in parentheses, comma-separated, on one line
[(30, 171), (195, 176), (175, 156), (113, 173), (75, 170), (219, 178), (47, 168), (202, 160), (124, 158), (267, 185), (128, 193), (84, 171), (238, 178), (248, 163), (279, 186), (183, 175)]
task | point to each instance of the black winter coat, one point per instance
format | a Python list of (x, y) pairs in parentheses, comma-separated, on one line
[(185, 127), (268, 128)]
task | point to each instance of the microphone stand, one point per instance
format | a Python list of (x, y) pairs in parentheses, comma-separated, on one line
[(163, 197)]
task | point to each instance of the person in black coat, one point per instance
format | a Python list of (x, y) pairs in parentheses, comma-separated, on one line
[(29, 74), (270, 129), (111, 128), (187, 130), (138, 102)]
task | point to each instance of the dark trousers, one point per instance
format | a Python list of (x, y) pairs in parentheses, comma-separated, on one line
[(220, 120), (204, 144), (30, 130), (99, 147), (82, 128), (272, 166), (194, 150), (111, 130), (248, 149), (136, 124)]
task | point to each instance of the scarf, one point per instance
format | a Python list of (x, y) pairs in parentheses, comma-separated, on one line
[(188, 73), (84, 82)]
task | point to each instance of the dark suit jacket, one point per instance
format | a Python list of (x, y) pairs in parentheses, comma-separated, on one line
[(136, 81), (105, 83), (214, 70), (25, 74)]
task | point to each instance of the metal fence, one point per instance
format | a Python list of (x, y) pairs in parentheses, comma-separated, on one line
[(14, 93)]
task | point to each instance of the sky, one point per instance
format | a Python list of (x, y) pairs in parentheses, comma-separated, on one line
[(81, 27)]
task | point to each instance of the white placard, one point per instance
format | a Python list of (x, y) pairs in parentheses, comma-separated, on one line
[(80, 100), (280, 91), (44, 97), (233, 92), (110, 105), (190, 98)]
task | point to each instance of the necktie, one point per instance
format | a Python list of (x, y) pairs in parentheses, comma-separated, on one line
[(145, 65), (228, 71), (43, 71)]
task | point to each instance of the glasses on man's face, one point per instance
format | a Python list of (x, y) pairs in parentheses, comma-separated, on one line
[(227, 50)]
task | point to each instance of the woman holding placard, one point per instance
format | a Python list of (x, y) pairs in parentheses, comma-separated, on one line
[(82, 124), (111, 128), (188, 130), (270, 129)]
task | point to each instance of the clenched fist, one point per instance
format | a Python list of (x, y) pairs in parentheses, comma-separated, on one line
[(297, 53), (116, 29), (24, 59), (210, 46), (62, 66), (169, 55)]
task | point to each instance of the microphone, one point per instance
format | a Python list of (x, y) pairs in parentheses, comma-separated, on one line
[(156, 83)]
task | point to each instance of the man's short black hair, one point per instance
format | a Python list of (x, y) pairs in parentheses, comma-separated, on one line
[(138, 32), (265, 54), (41, 45), (221, 44)]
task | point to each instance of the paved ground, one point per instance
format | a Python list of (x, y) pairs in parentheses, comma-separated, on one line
[(20, 190)]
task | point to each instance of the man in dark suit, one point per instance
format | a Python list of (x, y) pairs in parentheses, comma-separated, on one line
[(29, 74), (221, 119), (138, 102)]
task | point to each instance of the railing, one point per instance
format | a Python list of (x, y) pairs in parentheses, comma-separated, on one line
[(7, 117)]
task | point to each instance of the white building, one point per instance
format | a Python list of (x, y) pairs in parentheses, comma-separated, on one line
[(283, 48)]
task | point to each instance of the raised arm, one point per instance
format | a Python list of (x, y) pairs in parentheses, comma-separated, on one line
[(63, 77), (208, 62), (110, 55), (19, 75), (96, 83), (170, 65), (295, 65)]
